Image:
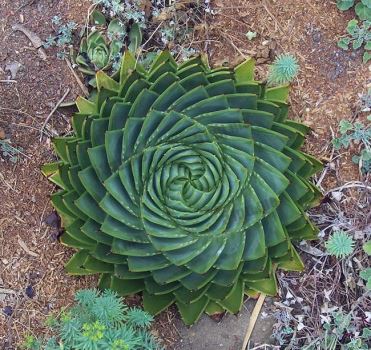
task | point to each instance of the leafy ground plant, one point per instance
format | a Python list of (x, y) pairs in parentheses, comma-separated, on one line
[(358, 35), (166, 195), (168, 24), (98, 321), (116, 25), (362, 8), (337, 326), (9, 152), (359, 134), (62, 38)]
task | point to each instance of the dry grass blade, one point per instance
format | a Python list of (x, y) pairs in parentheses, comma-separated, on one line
[(52, 112), (83, 88), (350, 184)]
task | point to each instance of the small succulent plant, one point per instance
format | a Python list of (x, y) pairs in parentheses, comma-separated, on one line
[(283, 70), (102, 48), (185, 183), (340, 244), (94, 50)]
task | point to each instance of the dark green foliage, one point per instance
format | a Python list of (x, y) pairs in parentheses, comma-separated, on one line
[(97, 322), (185, 183)]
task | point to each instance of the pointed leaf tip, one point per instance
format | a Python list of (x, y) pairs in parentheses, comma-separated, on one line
[(244, 72), (106, 82), (85, 106), (279, 93)]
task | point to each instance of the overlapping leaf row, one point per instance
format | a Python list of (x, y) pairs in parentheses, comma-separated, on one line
[(186, 183)]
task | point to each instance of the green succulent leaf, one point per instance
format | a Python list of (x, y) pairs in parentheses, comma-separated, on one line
[(244, 72), (115, 29), (185, 183), (366, 57), (344, 5), (366, 275), (85, 106), (279, 93), (135, 37), (343, 43), (367, 247), (97, 18), (357, 43), (352, 27), (363, 12)]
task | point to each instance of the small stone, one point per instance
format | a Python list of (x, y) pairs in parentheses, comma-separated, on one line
[(30, 292), (337, 195), (8, 310), (359, 234), (2, 134), (52, 219), (5, 261), (13, 68)]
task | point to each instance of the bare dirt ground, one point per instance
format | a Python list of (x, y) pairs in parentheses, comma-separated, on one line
[(31, 258)]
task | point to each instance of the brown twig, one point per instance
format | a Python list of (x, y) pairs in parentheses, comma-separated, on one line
[(274, 18), (83, 88), (52, 112)]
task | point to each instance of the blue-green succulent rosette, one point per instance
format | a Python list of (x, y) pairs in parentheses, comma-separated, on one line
[(185, 183)]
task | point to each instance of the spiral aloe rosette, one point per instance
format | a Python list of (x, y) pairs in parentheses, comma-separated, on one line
[(185, 183)]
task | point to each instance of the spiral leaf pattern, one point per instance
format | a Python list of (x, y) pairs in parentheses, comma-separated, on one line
[(185, 183)]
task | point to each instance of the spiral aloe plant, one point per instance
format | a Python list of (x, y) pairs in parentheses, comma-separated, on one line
[(185, 183)]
